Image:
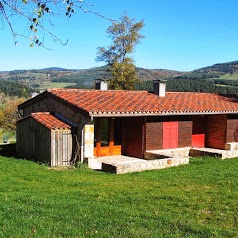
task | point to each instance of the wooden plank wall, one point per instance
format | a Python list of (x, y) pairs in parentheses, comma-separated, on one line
[(61, 147), (38, 143), (154, 135), (33, 141), (185, 133), (216, 131), (232, 130)]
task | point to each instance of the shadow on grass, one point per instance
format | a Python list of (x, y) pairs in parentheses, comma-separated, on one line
[(8, 150)]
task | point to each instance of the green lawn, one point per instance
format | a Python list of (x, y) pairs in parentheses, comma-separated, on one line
[(196, 200)]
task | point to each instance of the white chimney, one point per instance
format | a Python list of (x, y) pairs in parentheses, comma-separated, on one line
[(159, 87), (101, 85)]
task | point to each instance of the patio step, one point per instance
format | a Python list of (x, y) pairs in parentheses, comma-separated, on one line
[(166, 153), (231, 146), (93, 164), (221, 154), (142, 165), (157, 159)]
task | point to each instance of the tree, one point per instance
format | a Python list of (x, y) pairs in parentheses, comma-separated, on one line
[(125, 35), (124, 75), (9, 114), (38, 16)]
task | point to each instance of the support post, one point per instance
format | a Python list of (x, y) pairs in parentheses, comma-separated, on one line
[(111, 136), (98, 136)]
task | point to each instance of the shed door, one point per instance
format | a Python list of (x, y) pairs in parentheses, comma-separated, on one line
[(170, 135), (61, 147)]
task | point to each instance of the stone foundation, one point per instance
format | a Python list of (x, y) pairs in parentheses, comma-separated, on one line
[(158, 159), (162, 154), (123, 167), (220, 154), (231, 146)]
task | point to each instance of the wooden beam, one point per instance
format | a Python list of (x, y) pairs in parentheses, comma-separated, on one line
[(111, 136), (98, 137)]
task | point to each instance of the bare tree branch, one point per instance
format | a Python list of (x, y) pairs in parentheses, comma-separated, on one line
[(35, 12)]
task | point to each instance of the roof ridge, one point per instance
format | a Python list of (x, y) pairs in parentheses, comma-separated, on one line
[(40, 113), (120, 91), (95, 90)]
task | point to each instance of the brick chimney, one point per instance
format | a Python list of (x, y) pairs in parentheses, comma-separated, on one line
[(100, 84), (159, 87)]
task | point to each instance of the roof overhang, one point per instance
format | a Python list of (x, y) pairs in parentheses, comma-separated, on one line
[(138, 114)]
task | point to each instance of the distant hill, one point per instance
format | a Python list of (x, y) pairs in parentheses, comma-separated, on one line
[(223, 68), (218, 78), (59, 69), (54, 69), (221, 78), (92, 73)]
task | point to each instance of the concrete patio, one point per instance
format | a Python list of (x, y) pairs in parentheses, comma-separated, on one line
[(158, 159), (124, 164)]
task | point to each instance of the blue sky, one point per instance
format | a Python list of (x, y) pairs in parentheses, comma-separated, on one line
[(179, 34)]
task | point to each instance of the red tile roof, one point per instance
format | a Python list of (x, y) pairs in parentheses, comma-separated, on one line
[(49, 121), (110, 102)]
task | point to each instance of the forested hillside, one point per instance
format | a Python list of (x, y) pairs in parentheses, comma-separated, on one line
[(187, 85), (218, 78), (220, 69), (12, 88)]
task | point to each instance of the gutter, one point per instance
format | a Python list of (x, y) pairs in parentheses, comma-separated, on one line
[(57, 115), (141, 114)]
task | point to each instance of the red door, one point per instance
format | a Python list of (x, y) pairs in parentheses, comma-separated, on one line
[(170, 135), (133, 138), (199, 130)]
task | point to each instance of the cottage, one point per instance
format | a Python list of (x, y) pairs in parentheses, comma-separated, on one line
[(112, 122)]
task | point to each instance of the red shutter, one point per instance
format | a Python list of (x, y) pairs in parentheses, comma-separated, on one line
[(198, 140), (170, 135)]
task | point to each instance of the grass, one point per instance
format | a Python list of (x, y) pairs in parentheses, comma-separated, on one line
[(47, 84), (224, 85), (230, 76), (196, 200)]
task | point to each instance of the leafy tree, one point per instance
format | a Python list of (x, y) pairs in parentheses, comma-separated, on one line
[(124, 76), (39, 15), (125, 35), (13, 88), (9, 114)]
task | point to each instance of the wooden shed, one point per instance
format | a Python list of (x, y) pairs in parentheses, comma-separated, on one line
[(44, 138)]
